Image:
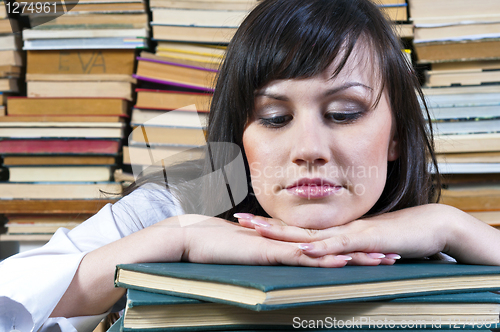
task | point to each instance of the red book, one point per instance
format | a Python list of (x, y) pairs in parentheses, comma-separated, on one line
[(59, 146)]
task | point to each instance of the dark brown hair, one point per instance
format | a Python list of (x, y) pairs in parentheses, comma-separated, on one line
[(286, 39)]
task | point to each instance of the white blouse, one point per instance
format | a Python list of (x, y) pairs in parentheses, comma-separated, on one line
[(33, 282)]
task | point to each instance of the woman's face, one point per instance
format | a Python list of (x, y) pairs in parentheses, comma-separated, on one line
[(318, 149)]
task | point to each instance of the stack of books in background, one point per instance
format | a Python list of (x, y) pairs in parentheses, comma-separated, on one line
[(191, 38), (460, 45), (189, 296), (61, 143), (12, 58), (59, 153), (397, 12)]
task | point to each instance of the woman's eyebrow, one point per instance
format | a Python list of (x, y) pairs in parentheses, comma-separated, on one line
[(271, 95), (346, 86), (329, 92)]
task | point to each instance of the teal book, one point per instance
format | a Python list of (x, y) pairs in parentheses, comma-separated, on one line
[(275, 287), (117, 326), (152, 312)]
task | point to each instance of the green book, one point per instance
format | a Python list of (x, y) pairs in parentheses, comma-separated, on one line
[(276, 287), (150, 312)]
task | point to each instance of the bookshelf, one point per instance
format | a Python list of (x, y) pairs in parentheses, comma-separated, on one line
[(452, 45), (61, 135)]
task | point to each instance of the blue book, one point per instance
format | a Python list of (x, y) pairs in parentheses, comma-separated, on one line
[(275, 287), (151, 312)]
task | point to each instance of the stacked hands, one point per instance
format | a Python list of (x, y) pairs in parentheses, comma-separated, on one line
[(414, 232), (371, 241)]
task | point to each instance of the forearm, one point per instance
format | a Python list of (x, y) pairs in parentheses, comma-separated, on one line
[(92, 290), (472, 241)]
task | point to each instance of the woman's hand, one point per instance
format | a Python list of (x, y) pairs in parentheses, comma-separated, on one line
[(213, 240), (277, 229), (412, 233)]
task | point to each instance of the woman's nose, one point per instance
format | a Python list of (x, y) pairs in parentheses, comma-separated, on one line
[(310, 143)]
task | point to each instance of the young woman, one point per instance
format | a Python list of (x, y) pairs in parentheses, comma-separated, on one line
[(320, 101)]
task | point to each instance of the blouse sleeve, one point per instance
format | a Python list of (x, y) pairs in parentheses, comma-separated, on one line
[(33, 282)]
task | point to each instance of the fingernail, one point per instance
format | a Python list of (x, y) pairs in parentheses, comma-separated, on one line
[(376, 255), (246, 216), (343, 257), (306, 246), (393, 256), (261, 223)]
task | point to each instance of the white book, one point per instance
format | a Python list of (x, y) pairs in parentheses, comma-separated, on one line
[(59, 173), (11, 42), (466, 112), (467, 168), (90, 33), (201, 18), (182, 119), (87, 43), (466, 127)]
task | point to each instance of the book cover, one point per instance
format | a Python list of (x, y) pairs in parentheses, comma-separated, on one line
[(150, 311), (274, 287), (172, 100), (86, 43), (59, 146), (90, 206)]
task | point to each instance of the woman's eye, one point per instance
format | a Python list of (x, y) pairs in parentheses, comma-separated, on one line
[(341, 117), (276, 121)]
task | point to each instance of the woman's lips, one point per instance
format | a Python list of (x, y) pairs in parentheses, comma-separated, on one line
[(313, 188)]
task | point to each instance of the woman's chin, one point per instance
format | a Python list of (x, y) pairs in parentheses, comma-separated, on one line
[(313, 217)]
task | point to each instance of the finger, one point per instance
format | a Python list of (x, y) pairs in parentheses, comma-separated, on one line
[(250, 221), (340, 244), (369, 259), (390, 259), (387, 261), (286, 254), (327, 261), (277, 230)]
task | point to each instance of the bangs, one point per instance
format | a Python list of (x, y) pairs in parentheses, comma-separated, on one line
[(301, 39)]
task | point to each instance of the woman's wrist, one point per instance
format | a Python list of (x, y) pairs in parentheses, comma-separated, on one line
[(468, 239)]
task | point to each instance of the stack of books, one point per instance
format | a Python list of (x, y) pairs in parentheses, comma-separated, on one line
[(59, 154), (414, 295), (397, 12), (455, 31), (11, 57), (456, 43), (60, 144), (90, 24), (213, 22), (60, 151), (165, 131), (176, 83)]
